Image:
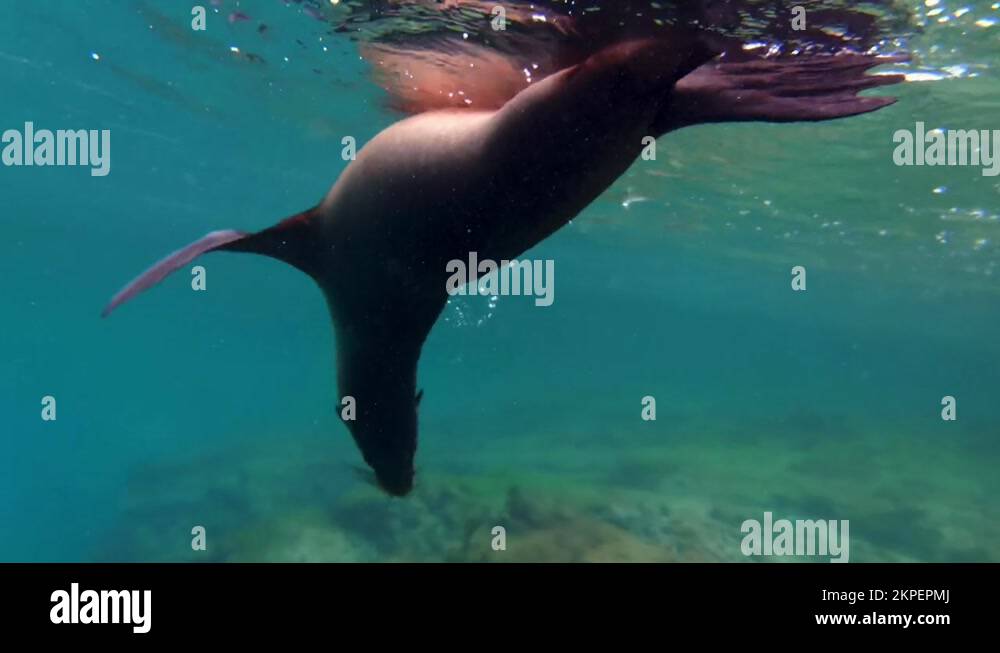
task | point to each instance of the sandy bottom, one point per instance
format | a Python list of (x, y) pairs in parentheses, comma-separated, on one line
[(604, 497)]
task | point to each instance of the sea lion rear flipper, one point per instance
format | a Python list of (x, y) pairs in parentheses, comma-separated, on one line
[(274, 242), (786, 89)]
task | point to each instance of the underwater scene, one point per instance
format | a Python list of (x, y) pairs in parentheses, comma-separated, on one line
[(776, 316)]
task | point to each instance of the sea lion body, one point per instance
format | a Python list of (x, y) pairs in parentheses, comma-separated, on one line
[(434, 187)]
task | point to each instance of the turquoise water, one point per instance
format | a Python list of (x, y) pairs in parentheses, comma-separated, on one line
[(219, 408)]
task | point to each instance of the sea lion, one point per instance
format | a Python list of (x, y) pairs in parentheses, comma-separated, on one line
[(436, 186)]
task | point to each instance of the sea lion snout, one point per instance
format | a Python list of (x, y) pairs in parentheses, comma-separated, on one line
[(393, 468), (397, 481), (387, 440)]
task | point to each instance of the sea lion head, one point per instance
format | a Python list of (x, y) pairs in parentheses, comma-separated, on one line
[(393, 473), (386, 436)]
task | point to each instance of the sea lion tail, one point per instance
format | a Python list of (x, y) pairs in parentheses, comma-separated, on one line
[(803, 88), (283, 241)]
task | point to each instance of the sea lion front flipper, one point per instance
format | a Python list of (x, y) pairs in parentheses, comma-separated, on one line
[(274, 242), (170, 263)]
